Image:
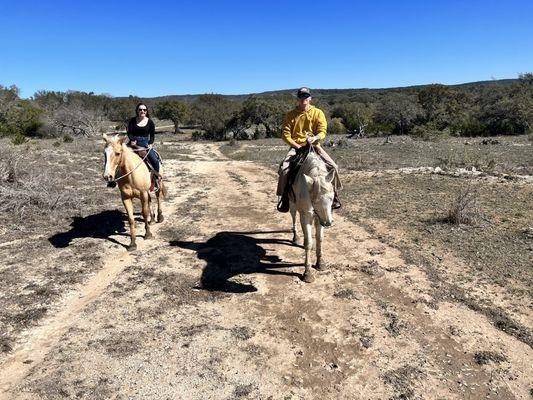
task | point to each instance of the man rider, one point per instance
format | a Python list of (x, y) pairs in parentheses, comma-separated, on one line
[(305, 125)]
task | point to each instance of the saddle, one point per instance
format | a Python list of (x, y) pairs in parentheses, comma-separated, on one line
[(155, 177), (295, 164)]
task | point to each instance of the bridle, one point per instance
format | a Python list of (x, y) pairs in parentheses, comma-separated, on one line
[(137, 166)]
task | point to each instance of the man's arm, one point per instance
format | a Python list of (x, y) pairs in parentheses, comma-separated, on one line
[(286, 133), (322, 125)]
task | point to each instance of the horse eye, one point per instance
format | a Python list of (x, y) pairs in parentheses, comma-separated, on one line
[(117, 153)]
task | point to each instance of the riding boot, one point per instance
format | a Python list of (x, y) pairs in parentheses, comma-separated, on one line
[(283, 204), (336, 202)]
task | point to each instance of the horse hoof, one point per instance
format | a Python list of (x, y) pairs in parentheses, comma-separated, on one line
[(160, 218), (132, 247), (319, 267), (148, 236), (308, 277)]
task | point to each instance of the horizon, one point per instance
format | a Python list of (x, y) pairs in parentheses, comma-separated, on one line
[(240, 48), (276, 90)]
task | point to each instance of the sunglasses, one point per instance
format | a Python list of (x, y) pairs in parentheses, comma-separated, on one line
[(143, 109)]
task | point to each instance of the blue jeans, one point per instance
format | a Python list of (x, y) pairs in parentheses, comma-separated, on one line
[(152, 156)]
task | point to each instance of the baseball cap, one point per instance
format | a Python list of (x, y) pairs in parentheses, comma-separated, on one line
[(303, 93)]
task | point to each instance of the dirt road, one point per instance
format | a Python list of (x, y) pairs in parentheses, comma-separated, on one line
[(214, 308)]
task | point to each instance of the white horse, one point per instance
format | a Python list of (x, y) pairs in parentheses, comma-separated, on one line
[(312, 196)]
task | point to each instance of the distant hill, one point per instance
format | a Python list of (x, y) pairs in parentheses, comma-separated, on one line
[(469, 86)]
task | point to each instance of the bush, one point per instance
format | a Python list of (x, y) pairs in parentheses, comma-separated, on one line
[(23, 191), (18, 139), (197, 135), (28, 118), (22, 118), (336, 127), (426, 132), (464, 209)]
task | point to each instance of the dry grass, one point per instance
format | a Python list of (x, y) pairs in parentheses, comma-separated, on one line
[(26, 190), (464, 209)]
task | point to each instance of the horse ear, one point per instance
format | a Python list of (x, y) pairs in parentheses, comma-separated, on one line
[(308, 180), (123, 139), (330, 176), (104, 136)]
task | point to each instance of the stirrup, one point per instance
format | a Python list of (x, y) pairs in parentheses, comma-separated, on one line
[(283, 204)]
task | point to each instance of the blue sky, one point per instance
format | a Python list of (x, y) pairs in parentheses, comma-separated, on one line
[(152, 48)]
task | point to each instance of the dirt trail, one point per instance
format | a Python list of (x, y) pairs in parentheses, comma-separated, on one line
[(214, 308)]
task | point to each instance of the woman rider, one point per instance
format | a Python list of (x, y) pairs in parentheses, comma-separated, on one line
[(141, 132)]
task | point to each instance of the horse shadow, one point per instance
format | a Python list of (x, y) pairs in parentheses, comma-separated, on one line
[(232, 253), (99, 226)]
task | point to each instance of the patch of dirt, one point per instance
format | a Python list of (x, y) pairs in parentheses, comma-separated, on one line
[(214, 307)]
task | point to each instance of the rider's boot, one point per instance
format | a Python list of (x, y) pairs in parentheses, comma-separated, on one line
[(283, 203), (336, 202)]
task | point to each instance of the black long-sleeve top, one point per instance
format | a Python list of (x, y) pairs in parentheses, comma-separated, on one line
[(147, 131)]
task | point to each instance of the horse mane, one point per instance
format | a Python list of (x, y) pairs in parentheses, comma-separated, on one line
[(314, 166)]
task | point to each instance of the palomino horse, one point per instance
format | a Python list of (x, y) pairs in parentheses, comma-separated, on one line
[(312, 196), (133, 182)]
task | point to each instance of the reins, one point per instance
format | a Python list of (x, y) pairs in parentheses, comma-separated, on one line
[(137, 166)]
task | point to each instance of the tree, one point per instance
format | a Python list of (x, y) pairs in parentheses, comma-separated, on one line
[(176, 111), (261, 111), (213, 112), (398, 112), (17, 116), (121, 110), (443, 106), (355, 117)]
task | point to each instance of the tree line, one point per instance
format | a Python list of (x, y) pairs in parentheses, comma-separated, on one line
[(476, 109)]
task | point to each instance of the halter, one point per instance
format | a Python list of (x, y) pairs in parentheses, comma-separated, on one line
[(138, 165)]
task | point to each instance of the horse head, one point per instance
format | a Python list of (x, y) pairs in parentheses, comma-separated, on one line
[(322, 192), (113, 154)]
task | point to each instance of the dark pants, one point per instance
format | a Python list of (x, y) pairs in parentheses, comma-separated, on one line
[(152, 156)]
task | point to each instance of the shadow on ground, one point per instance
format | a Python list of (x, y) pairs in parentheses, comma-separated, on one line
[(99, 226), (232, 253)]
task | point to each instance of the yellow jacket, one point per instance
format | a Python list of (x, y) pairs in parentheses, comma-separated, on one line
[(297, 123)]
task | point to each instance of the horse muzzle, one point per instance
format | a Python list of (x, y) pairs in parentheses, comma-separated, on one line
[(326, 224)]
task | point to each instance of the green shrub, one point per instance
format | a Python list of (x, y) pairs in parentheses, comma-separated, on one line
[(18, 139), (336, 127), (425, 132)]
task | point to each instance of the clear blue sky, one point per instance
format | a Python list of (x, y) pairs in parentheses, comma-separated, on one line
[(152, 48)]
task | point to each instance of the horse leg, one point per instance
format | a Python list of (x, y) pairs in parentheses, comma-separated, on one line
[(295, 237), (319, 236), (128, 205), (306, 221), (152, 214), (145, 203), (160, 217)]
